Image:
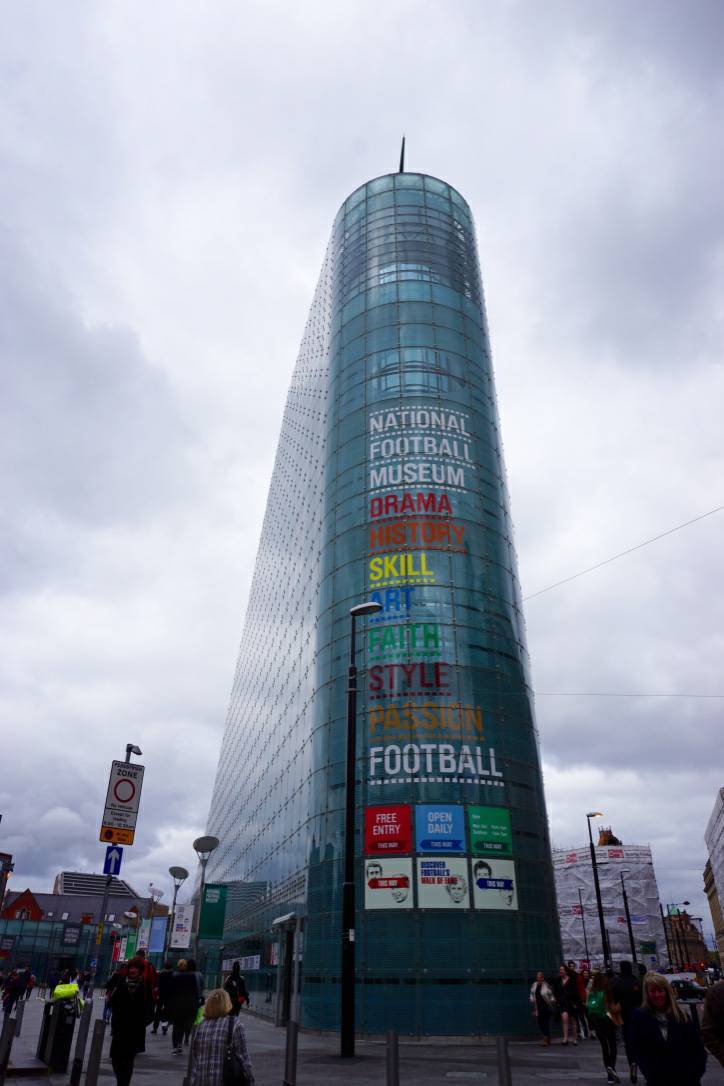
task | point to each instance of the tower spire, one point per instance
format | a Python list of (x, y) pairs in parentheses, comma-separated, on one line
[(402, 156)]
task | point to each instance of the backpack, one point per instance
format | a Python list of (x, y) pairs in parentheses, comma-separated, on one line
[(596, 1004)]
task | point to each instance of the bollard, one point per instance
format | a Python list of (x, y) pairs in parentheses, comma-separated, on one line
[(187, 1076), (501, 1049), (19, 1012), (96, 1051), (6, 1043), (290, 1056), (393, 1058), (80, 1043)]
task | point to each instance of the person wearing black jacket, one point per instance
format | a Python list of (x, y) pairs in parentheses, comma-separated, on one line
[(628, 993), (664, 1041), (162, 1010), (184, 1004), (566, 994), (236, 987), (131, 1011)]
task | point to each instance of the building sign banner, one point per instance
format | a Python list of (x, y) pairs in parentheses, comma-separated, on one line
[(388, 829), (388, 884), (443, 884), (439, 828), (213, 911), (494, 885), (490, 832), (144, 935), (71, 935), (157, 939), (183, 920)]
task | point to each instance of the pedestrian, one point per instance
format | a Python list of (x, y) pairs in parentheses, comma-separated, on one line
[(130, 1014), (666, 1044), (235, 985), (604, 1015), (29, 985), (581, 997), (13, 990), (712, 1022), (544, 1005), (566, 995), (184, 1004), (162, 1008), (628, 992), (191, 966), (219, 1031)]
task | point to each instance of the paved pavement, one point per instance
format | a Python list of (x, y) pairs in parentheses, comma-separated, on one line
[(422, 1063)]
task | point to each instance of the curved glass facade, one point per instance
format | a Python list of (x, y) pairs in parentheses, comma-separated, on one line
[(389, 485)]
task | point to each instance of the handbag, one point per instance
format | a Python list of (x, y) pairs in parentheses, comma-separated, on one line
[(233, 1072)]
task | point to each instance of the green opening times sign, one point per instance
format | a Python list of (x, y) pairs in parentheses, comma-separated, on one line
[(490, 832)]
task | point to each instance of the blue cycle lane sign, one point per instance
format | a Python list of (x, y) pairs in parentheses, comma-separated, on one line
[(439, 827), (114, 856)]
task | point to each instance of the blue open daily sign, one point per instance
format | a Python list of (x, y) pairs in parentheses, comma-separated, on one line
[(439, 827)]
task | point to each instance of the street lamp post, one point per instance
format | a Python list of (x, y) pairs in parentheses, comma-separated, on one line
[(179, 876), (666, 936), (583, 925), (597, 885), (628, 921), (346, 1033), (203, 847)]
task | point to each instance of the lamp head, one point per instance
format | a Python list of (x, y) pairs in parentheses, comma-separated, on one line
[(180, 874), (595, 814), (204, 846), (133, 749), (371, 607)]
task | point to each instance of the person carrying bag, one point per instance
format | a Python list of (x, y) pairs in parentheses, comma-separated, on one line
[(219, 1056)]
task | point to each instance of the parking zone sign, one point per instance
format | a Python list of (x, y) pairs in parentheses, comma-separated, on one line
[(122, 800)]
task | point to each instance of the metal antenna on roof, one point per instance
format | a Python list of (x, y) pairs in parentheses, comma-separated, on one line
[(402, 156)]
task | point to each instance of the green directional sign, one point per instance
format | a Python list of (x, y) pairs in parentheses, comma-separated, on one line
[(490, 833), (213, 911)]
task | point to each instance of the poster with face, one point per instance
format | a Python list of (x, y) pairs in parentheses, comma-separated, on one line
[(494, 885), (443, 883), (388, 884)]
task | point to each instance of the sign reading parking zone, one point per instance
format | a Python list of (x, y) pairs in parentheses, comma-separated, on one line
[(122, 800)]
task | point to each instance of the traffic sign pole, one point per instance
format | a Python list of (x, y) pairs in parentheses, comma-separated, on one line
[(123, 791)]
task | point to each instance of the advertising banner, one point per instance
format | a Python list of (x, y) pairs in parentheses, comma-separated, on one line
[(158, 934), (131, 945), (213, 911), (439, 828), (443, 884), (121, 956), (144, 935), (494, 885), (181, 929), (490, 833), (388, 829), (388, 884)]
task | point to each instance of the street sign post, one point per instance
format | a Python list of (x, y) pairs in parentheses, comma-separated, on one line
[(122, 801), (112, 864)]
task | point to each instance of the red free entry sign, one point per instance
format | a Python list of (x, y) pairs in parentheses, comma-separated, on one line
[(388, 829)]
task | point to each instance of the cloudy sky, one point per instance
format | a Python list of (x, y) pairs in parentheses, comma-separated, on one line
[(168, 178)]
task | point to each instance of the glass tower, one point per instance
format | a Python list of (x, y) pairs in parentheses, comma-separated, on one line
[(389, 485)]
